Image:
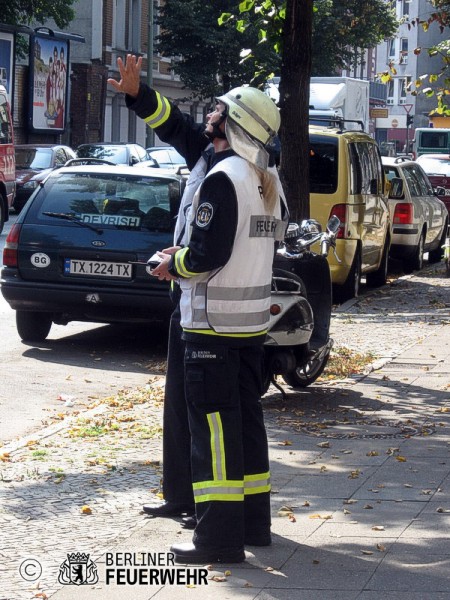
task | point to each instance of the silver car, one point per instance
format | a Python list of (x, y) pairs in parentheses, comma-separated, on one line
[(418, 218)]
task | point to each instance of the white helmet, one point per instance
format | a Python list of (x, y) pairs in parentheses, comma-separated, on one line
[(253, 111)]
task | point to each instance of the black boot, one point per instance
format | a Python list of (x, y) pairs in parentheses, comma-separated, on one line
[(188, 553), (167, 509), (189, 522)]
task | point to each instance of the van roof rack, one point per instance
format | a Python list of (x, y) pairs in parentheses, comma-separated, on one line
[(337, 122)]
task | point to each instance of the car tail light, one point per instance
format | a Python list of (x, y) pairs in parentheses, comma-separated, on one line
[(10, 249), (403, 214), (340, 210)]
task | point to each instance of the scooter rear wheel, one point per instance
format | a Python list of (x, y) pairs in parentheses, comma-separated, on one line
[(307, 372)]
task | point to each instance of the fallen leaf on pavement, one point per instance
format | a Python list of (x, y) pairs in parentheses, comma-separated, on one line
[(354, 474), (285, 511), (86, 510)]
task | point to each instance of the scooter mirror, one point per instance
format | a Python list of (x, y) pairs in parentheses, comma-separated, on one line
[(311, 226), (333, 224)]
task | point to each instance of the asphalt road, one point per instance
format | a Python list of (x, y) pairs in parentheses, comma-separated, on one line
[(76, 364)]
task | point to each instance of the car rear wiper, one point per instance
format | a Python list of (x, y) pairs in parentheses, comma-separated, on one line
[(73, 219)]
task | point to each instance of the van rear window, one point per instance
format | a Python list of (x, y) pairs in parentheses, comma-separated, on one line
[(323, 165), (434, 139)]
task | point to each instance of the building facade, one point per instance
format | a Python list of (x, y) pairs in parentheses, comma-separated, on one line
[(111, 28), (402, 53)]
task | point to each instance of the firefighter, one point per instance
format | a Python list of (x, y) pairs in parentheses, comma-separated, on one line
[(224, 270), (188, 137)]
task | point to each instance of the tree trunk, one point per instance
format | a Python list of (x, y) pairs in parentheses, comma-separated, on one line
[(294, 103)]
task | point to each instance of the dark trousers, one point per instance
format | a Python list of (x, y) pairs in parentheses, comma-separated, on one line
[(229, 456), (177, 478)]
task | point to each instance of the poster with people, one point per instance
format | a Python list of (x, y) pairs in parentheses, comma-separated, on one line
[(6, 61), (48, 77)]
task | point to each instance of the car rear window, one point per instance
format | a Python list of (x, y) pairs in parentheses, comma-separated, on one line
[(115, 154), (323, 165), (112, 201), (33, 158)]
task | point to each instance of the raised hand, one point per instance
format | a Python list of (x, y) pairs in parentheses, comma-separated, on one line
[(130, 73)]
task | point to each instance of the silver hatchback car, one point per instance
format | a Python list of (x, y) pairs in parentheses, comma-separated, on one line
[(418, 218)]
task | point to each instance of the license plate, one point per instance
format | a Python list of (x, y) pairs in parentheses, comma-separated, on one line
[(96, 268)]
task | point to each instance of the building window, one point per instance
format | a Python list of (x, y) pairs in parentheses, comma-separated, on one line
[(391, 49), (403, 51), (119, 24), (402, 91), (405, 8), (390, 92), (135, 25)]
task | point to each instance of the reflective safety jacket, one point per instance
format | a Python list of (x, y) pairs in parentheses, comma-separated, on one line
[(234, 300)]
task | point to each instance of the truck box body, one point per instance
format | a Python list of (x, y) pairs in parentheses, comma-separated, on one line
[(333, 97), (339, 97)]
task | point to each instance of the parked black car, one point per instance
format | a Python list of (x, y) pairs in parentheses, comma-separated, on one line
[(119, 153), (79, 248), (33, 163)]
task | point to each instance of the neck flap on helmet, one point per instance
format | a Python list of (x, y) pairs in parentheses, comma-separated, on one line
[(246, 146)]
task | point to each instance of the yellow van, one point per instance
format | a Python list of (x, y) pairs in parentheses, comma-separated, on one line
[(347, 179)]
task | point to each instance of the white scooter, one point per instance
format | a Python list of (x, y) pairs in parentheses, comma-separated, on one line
[(298, 344)]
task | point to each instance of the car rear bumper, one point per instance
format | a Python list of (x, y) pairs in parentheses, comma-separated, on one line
[(82, 303)]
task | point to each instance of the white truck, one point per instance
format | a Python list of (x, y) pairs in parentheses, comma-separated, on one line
[(342, 97), (334, 97)]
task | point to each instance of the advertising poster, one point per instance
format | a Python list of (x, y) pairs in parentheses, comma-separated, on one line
[(6, 61), (49, 83)]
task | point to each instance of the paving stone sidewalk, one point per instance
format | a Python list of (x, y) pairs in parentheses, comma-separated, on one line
[(378, 441)]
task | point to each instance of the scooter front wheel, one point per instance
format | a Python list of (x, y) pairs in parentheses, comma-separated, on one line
[(309, 369)]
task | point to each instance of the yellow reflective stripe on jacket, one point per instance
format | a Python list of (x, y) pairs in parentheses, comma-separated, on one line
[(161, 114), (217, 446), (179, 263), (257, 484), (227, 491)]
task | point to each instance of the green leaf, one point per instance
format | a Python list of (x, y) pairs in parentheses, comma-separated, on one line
[(224, 18), (262, 35), (246, 5)]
